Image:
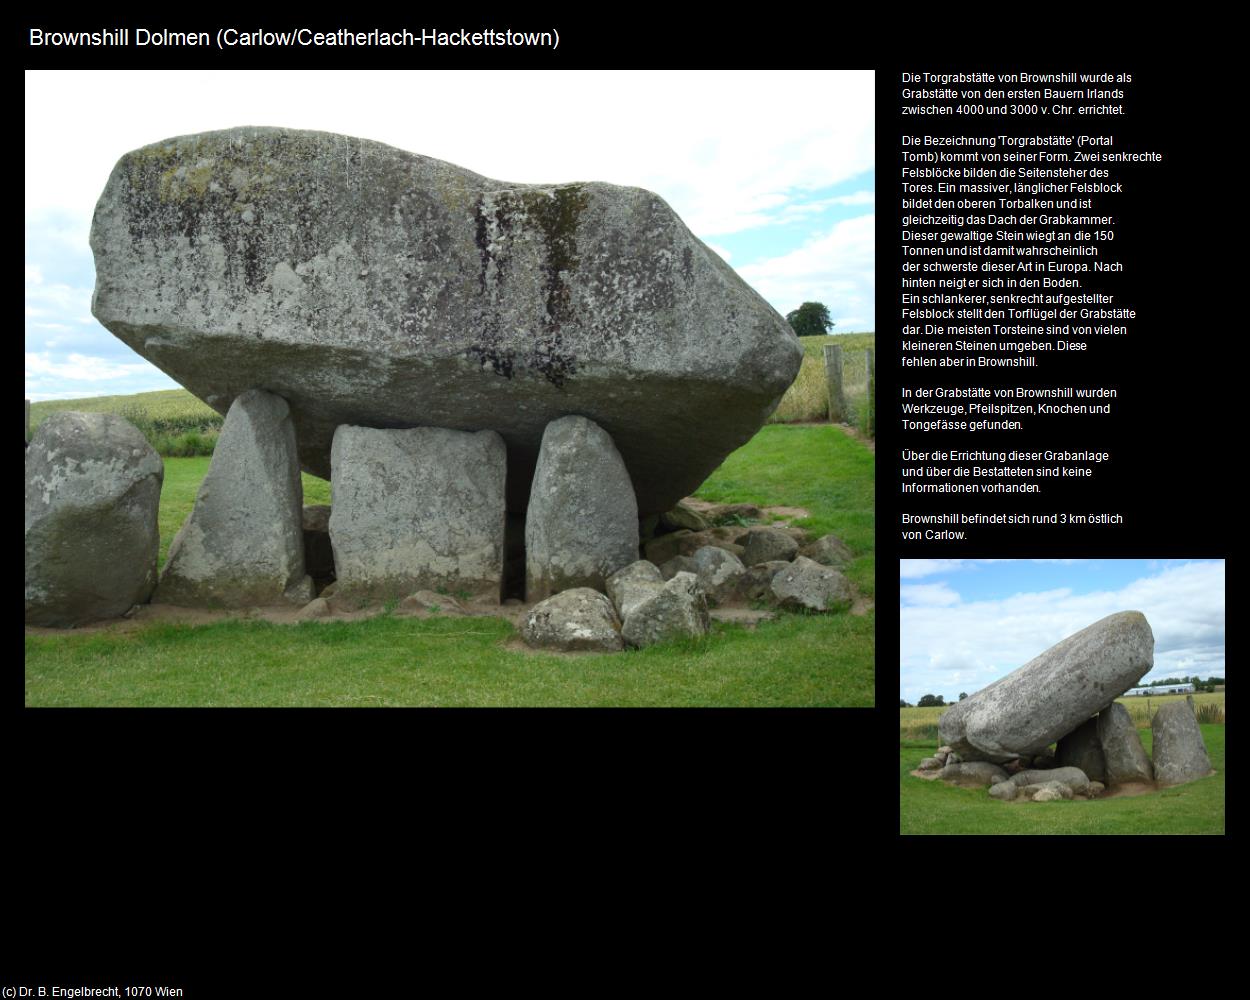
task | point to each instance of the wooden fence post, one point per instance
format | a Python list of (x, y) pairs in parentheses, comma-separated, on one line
[(833, 376), (872, 393)]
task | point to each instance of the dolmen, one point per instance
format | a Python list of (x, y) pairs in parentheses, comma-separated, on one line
[(1001, 736)]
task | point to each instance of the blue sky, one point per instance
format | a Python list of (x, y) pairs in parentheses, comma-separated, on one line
[(774, 170), (967, 622)]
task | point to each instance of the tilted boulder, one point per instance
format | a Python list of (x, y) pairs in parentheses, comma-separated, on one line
[(575, 620), (243, 544), (1044, 700), (631, 586), (1180, 755), (582, 522), (719, 572), (374, 287), (418, 509), (93, 488), (1125, 757), (1081, 748), (678, 610)]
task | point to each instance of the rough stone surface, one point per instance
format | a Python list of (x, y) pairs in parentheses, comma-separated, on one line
[(719, 573), (1096, 788), (808, 585), (767, 545), (582, 522), (1044, 700), (930, 764), (1125, 757), (1179, 752), (429, 600), (678, 610), (1082, 748), (1073, 777), (93, 486), (1004, 790), (577, 619), (684, 516), (631, 586), (1052, 791), (828, 551), (678, 564), (370, 286), (973, 773), (418, 509), (686, 543), (756, 584), (243, 544)]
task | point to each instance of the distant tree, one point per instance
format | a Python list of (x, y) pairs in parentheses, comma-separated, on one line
[(963, 695), (903, 704), (811, 319), (930, 701)]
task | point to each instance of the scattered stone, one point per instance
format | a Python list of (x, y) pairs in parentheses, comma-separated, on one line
[(828, 551), (931, 764), (1073, 777), (582, 521), (941, 755), (1004, 791), (429, 600), (975, 773), (719, 572), (724, 513), (1096, 788), (374, 287), (418, 509), (767, 545), (1052, 791), (678, 564), (1125, 757), (1081, 748), (679, 610), (943, 749), (631, 586), (1044, 700), (1180, 755), (756, 584), (577, 619), (686, 543), (317, 608), (684, 516), (93, 486), (243, 545), (953, 758), (808, 585)]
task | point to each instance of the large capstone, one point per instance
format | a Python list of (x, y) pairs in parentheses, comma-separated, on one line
[(1044, 700), (371, 286), (243, 544), (418, 509), (1125, 757), (93, 487), (1179, 752), (582, 521)]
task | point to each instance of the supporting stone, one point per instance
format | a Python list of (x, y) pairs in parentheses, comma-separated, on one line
[(582, 522), (93, 487), (243, 544), (1179, 752), (419, 509)]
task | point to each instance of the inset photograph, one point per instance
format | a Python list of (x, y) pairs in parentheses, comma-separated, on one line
[(1062, 696)]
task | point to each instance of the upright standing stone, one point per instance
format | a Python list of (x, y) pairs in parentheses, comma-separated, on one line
[(582, 521), (1122, 751), (833, 378), (93, 487), (243, 544), (418, 509), (1081, 748), (1179, 753), (1021, 714)]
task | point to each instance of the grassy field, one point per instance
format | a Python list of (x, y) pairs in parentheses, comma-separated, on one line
[(813, 660), (921, 723), (808, 398), (175, 423), (933, 807)]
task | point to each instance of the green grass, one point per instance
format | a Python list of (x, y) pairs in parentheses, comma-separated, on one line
[(935, 807), (817, 468), (808, 660)]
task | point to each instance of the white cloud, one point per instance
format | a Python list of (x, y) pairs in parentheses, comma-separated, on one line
[(82, 368), (932, 594), (835, 268)]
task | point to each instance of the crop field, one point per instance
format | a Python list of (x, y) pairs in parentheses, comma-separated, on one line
[(808, 398), (175, 423)]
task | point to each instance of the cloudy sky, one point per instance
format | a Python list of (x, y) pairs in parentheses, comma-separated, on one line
[(967, 622), (773, 170)]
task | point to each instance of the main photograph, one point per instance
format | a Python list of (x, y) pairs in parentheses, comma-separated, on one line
[(473, 389)]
